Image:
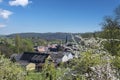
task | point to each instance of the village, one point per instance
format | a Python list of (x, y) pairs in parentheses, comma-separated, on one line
[(57, 53), (60, 40)]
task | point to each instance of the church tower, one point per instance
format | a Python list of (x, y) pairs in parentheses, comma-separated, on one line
[(66, 40)]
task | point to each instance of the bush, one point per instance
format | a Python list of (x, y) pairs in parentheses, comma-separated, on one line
[(9, 70)]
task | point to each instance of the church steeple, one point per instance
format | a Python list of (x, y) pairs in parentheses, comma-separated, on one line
[(66, 40)]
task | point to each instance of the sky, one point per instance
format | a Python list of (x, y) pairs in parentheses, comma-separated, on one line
[(41, 16)]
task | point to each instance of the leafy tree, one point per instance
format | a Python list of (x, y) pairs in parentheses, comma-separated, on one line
[(23, 45), (117, 13), (116, 65), (9, 70), (111, 29), (27, 45), (111, 32), (17, 43), (7, 47), (41, 42), (83, 64), (89, 59), (49, 72)]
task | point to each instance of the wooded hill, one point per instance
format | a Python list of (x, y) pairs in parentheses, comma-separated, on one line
[(53, 36)]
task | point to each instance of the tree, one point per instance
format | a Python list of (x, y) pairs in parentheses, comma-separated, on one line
[(111, 32), (111, 29), (7, 47), (9, 70), (83, 64), (17, 43), (27, 45), (116, 65), (49, 72), (23, 45), (117, 13)]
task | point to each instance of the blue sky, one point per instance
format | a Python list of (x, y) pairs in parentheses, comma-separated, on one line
[(54, 15)]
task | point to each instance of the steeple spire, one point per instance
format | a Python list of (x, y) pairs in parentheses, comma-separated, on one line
[(66, 40)]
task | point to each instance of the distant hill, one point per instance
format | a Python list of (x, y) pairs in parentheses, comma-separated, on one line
[(52, 36), (2, 35), (47, 36)]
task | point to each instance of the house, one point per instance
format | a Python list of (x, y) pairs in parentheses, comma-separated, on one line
[(67, 56), (30, 66), (34, 57), (53, 48), (58, 57), (41, 49), (68, 49), (30, 60), (15, 57)]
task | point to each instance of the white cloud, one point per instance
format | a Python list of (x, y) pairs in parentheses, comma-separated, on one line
[(19, 2), (5, 13), (2, 25)]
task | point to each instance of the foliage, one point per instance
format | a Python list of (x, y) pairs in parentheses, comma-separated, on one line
[(83, 64), (7, 47), (112, 47), (111, 32), (23, 45), (27, 45), (49, 72), (18, 43), (54, 36), (111, 28), (9, 70), (46, 36), (116, 62), (116, 65), (40, 42), (33, 76), (86, 61)]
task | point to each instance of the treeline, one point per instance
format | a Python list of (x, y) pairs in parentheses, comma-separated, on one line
[(9, 46), (54, 36), (18, 44), (45, 36)]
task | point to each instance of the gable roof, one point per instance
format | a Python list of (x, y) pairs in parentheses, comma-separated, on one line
[(34, 57), (56, 55), (16, 57)]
